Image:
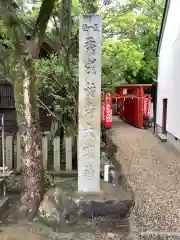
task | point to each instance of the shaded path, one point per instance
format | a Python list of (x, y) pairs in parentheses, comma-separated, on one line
[(153, 171)]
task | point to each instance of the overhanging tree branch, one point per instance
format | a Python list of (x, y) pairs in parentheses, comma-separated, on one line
[(45, 12)]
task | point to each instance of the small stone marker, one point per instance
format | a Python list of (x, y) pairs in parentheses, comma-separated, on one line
[(89, 103)]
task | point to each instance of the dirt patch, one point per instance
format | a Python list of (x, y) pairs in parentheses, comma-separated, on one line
[(14, 228)]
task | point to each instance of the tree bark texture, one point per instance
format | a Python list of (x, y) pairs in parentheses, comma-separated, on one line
[(66, 22), (30, 135), (26, 99)]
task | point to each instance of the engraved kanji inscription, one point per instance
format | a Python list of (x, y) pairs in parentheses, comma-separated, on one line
[(89, 151), (89, 132), (90, 66), (88, 171), (90, 89), (89, 108), (93, 27), (90, 45)]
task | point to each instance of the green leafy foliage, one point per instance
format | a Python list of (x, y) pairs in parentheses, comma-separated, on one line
[(119, 58), (138, 21), (56, 77), (60, 87), (128, 49), (90, 6)]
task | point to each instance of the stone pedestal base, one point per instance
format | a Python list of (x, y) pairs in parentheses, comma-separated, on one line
[(64, 204), (111, 202)]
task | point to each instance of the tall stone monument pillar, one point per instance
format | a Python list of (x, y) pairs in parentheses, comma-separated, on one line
[(89, 103)]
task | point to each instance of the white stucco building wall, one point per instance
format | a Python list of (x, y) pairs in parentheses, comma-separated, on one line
[(169, 73)]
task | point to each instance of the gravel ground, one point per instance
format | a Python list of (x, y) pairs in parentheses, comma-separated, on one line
[(153, 171)]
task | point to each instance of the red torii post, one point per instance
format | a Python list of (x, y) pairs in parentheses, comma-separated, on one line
[(132, 103)]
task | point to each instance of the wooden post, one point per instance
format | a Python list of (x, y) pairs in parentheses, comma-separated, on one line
[(89, 103), (68, 141), (18, 150), (56, 144), (9, 151), (45, 151)]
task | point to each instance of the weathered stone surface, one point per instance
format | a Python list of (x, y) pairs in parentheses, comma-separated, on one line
[(89, 165), (162, 137), (48, 211), (64, 204), (112, 202), (57, 206)]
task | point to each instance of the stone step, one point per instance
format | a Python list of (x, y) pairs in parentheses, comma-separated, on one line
[(162, 137)]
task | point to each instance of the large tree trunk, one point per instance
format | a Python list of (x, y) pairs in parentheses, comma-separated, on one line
[(30, 136), (26, 98)]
